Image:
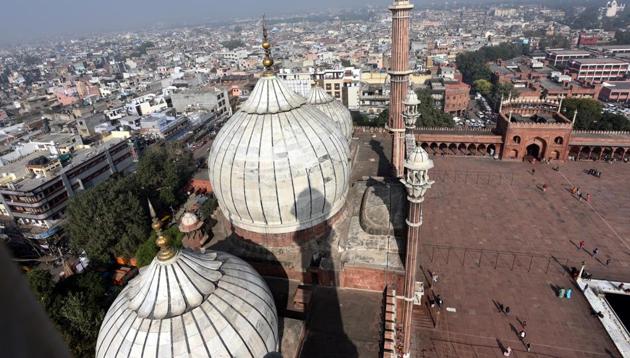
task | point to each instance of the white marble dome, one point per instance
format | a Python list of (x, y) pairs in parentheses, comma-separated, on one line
[(418, 160), (193, 305), (333, 108), (279, 165)]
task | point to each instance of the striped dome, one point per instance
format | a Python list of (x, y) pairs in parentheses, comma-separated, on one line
[(333, 108), (279, 165), (200, 305)]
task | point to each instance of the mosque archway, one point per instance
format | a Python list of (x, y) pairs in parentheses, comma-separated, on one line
[(555, 155), (607, 154), (533, 150), (619, 154), (584, 153), (536, 148), (462, 149), (443, 148), (492, 150), (513, 154), (596, 153), (434, 148), (452, 148), (481, 149), (472, 149)]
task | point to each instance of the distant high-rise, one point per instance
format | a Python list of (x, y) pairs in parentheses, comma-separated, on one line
[(399, 74)]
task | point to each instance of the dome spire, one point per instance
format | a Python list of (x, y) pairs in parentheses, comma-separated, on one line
[(268, 61), (166, 251)]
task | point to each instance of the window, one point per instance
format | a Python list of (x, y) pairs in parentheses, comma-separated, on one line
[(328, 86), (516, 139), (558, 140), (337, 87)]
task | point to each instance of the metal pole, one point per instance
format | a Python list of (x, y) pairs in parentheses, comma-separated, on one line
[(531, 259), (548, 263), (513, 261)]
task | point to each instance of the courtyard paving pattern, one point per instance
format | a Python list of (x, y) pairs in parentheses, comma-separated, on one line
[(493, 236)]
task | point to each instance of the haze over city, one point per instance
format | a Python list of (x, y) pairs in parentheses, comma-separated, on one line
[(382, 178)]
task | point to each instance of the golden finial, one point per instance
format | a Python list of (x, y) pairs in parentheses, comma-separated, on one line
[(266, 45), (166, 251)]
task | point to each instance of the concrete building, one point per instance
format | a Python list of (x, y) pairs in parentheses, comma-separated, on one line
[(86, 125), (613, 8), (615, 91), (562, 57), (195, 100), (456, 97), (164, 126), (598, 69), (38, 195)]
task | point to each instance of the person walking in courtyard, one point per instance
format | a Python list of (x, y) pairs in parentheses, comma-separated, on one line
[(528, 346), (434, 278), (507, 310), (608, 261), (522, 335), (507, 352), (581, 245), (595, 252), (588, 197)]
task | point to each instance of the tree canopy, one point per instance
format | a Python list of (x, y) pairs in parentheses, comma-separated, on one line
[(111, 219), (484, 87), (590, 116), (473, 66), (589, 111), (75, 305), (429, 115), (232, 44), (108, 220)]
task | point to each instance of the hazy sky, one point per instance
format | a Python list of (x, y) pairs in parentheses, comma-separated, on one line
[(31, 19)]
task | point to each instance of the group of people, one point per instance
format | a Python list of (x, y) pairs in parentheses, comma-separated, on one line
[(595, 173), (577, 192), (507, 351)]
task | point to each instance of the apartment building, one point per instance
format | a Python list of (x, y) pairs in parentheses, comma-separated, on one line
[(39, 187), (562, 57), (599, 69)]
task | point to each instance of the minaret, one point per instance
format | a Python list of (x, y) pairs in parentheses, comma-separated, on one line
[(417, 183), (399, 76)]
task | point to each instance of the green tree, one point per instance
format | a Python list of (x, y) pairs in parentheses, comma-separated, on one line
[(473, 66), (208, 207), (162, 173), (147, 251), (75, 305), (232, 44), (612, 122), (346, 63), (41, 282), (429, 115), (589, 112), (108, 220), (484, 87)]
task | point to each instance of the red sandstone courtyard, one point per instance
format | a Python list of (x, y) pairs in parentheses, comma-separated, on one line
[(492, 235)]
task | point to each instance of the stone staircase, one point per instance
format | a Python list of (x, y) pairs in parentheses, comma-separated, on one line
[(421, 318)]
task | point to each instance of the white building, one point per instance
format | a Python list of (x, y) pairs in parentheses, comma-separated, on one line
[(613, 8)]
